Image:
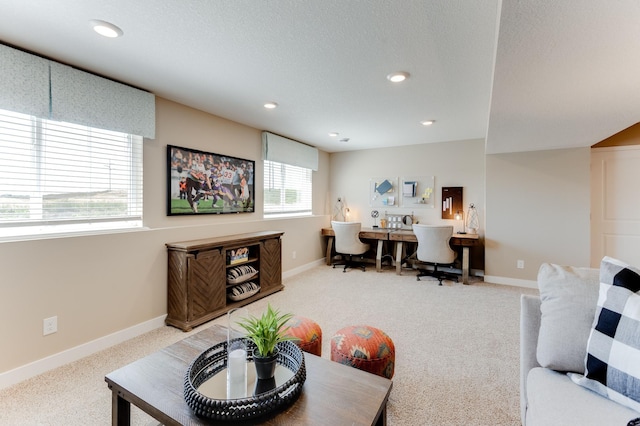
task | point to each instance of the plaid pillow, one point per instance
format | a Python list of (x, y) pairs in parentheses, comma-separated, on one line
[(612, 364)]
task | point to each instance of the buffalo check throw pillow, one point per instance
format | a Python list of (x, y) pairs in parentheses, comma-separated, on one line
[(612, 364)]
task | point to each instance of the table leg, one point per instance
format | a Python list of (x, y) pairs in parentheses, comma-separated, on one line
[(382, 420), (399, 258), (465, 265), (379, 256), (329, 250), (120, 410)]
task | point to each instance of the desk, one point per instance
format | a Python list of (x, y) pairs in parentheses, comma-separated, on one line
[(379, 234), (400, 237), (333, 393), (464, 240)]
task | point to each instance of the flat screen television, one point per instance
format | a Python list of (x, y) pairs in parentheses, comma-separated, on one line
[(200, 182)]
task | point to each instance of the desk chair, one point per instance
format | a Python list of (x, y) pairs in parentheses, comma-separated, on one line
[(434, 249), (348, 243)]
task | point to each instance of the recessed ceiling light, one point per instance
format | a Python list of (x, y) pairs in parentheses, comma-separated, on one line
[(106, 29), (397, 77), (334, 134), (427, 122), (270, 105)]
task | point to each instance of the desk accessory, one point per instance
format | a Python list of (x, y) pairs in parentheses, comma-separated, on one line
[(374, 215), (473, 222)]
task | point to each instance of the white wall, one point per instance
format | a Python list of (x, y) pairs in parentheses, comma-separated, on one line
[(458, 163), (538, 210), (103, 284)]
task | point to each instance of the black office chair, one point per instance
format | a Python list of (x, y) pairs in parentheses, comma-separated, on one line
[(434, 249), (348, 244)]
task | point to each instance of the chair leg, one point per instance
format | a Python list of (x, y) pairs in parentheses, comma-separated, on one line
[(350, 263), (439, 275)]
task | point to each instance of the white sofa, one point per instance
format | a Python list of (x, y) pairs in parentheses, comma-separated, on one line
[(554, 330)]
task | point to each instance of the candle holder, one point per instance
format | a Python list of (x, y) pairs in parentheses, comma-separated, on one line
[(236, 355)]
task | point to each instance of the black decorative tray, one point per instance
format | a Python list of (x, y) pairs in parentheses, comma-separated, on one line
[(214, 361)]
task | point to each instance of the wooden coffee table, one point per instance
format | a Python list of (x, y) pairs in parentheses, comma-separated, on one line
[(333, 394)]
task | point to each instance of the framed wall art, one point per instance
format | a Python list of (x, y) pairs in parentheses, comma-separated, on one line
[(200, 182)]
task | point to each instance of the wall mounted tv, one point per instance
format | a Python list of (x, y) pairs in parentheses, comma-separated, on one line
[(200, 182)]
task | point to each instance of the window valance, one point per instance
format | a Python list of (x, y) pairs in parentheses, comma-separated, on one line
[(47, 89), (287, 151)]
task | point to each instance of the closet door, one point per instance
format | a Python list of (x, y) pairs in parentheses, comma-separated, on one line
[(615, 204)]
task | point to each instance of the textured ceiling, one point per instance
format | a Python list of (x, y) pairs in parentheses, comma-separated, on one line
[(526, 75)]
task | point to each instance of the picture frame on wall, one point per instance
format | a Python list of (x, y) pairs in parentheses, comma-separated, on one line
[(200, 182)]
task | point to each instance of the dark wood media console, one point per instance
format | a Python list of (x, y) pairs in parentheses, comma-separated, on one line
[(197, 275)]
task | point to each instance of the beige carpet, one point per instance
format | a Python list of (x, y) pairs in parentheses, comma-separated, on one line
[(456, 350)]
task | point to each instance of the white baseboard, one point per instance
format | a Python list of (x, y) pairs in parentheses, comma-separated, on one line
[(43, 365), (510, 281), (290, 273)]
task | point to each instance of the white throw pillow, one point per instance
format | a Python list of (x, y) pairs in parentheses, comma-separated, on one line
[(568, 303), (612, 364)]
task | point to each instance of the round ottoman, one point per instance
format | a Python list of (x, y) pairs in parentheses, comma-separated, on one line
[(308, 332), (366, 348)]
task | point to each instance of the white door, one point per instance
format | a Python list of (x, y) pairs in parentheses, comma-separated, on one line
[(615, 204)]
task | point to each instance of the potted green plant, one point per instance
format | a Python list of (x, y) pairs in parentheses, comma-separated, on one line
[(266, 332)]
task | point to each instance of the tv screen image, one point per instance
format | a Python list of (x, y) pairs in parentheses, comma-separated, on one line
[(200, 182)]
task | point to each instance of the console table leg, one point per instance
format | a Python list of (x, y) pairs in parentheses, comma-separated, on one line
[(120, 410)]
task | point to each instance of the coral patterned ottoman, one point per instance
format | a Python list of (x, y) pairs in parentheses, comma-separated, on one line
[(366, 348), (308, 332)]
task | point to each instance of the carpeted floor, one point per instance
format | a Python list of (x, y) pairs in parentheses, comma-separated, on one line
[(456, 350)]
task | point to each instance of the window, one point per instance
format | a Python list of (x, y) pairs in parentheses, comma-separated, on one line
[(287, 189), (61, 177)]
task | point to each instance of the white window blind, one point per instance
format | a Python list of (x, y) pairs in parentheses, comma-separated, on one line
[(62, 177), (287, 189)]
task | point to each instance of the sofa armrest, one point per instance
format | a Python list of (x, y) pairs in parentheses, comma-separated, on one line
[(529, 330)]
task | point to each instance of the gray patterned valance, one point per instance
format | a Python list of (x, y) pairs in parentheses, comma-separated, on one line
[(47, 89)]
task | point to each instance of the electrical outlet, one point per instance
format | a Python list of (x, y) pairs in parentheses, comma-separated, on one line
[(293, 254), (49, 325), (520, 264)]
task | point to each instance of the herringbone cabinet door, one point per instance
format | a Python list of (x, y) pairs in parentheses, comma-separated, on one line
[(270, 263), (206, 273)]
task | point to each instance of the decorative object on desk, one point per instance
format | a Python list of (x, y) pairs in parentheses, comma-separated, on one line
[(473, 222), (460, 216), (374, 215), (339, 211), (236, 354), (451, 201), (266, 332)]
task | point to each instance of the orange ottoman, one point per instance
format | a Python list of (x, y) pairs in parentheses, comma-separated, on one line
[(366, 348), (308, 332)]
